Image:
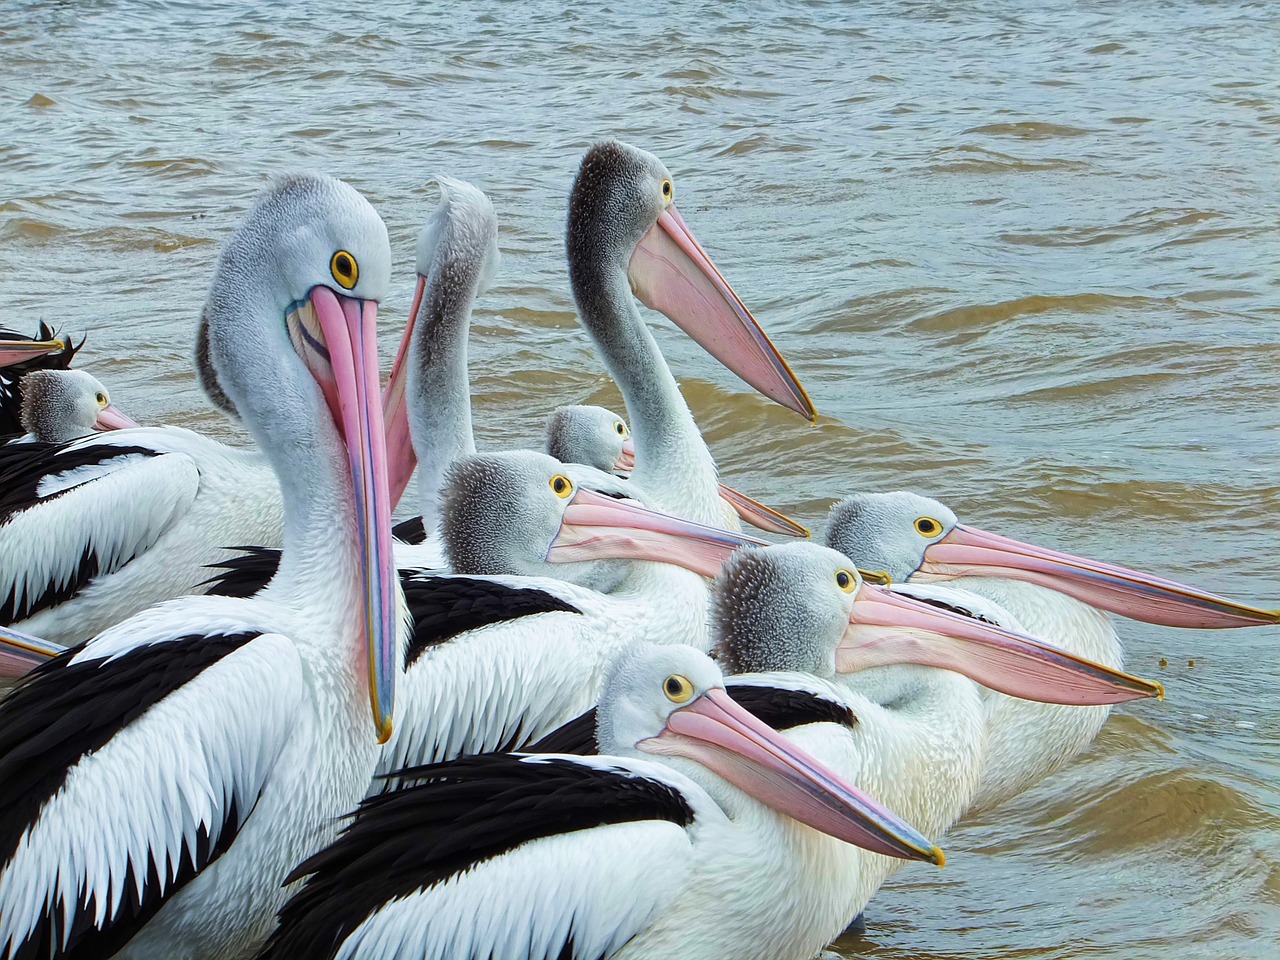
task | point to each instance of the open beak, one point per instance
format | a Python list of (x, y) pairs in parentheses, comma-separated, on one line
[(887, 628), (597, 527), (755, 758), (760, 516), (401, 458), (967, 551), (15, 351), (626, 461), (336, 337), (671, 273), (112, 417), (20, 653)]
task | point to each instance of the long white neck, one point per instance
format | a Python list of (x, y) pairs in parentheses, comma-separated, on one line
[(439, 392), (673, 465)]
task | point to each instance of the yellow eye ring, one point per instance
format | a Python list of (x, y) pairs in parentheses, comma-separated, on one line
[(345, 270), (668, 190), (928, 527), (678, 689), (621, 428), (101, 398), (561, 486), (846, 580)]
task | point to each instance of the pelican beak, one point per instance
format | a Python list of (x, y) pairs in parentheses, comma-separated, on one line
[(671, 273), (887, 628), (755, 758), (20, 653), (598, 527), (112, 417), (967, 551), (627, 458), (401, 458), (760, 516), (15, 351), (336, 336)]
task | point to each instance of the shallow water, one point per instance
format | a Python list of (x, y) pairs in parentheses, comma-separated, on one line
[(1023, 259)]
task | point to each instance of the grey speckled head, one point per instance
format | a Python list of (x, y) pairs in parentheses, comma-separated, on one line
[(616, 197), (589, 435), (501, 512), (782, 607), (887, 532), (61, 405)]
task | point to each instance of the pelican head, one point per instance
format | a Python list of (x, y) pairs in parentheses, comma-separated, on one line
[(593, 436), (803, 607), (917, 538), (291, 336), (527, 514), (623, 223), (63, 405), (457, 258), (669, 701)]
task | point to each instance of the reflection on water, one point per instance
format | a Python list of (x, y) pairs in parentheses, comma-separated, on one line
[(1024, 259)]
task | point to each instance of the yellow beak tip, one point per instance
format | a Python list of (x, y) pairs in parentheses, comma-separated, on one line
[(939, 858)]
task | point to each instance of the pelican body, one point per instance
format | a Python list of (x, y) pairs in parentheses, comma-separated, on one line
[(158, 782)]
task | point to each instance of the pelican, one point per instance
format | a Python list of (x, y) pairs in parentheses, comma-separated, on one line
[(59, 406), (21, 355), (701, 833), (797, 628), (624, 235), (553, 574), (158, 782), (921, 545), (600, 438)]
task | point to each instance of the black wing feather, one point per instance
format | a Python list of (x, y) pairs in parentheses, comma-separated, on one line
[(456, 815), (243, 575), (444, 607), (410, 531), (63, 711)]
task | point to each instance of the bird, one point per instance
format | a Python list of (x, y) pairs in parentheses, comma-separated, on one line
[(554, 568), (625, 236), (158, 781), (697, 833), (792, 625), (600, 438), (59, 406), (924, 549), (20, 355)]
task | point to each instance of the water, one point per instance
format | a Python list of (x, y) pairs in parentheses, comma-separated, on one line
[(1023, 259)]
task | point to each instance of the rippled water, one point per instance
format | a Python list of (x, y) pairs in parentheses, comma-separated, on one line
[(1026, 260)]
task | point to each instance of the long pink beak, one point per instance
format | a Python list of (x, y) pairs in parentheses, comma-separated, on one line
[(626, 461), (344, 360), (20, 653), (725, 738), (887, 628), (15, 351), (597, 527), (671, 273), (112, 417), (401, 457), (761, 517), (969, 552)]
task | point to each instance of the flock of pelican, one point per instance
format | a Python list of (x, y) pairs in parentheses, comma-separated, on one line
[(605, 722)]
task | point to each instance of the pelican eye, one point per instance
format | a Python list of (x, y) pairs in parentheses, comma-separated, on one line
[(678, 689), (621, 428), (345, 270), (668, 191), (846, 580), (101, 398), (928, 527), (561, 486)]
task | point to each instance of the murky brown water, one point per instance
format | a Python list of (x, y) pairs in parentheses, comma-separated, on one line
[(1024, 260)]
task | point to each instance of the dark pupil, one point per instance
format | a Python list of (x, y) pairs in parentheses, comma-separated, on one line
[(344, 266), (559, 486), (618, 428), (673, 686), (926, 526), (843, 579)]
